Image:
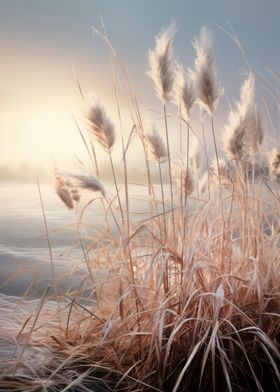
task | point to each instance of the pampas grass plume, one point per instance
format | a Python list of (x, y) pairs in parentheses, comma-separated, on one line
[(248, 111), (183, 177), (63, 191), (157, 146), (161, 64), (184, 91), (101, 125), (243, 134), (89, 182), (195, 158), (274, 163), (204, 74)]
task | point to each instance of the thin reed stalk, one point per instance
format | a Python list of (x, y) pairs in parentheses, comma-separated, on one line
[(206, 158), (116, 187), (163, 201), (46, 229), (169, 168), (185, 214), (215, 146)]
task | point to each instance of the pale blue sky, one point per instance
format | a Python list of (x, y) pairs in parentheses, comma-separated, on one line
[(41, 39)]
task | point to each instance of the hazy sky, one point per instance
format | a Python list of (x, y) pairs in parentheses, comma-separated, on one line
[(42, 39)]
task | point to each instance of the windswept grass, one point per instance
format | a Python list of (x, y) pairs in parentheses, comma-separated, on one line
[(191, 300)]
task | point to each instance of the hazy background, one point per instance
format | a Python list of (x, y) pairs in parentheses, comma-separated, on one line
[(42, 40)]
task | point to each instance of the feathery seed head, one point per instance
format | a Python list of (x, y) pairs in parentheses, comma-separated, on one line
[(161, 64), (243, 135), (89, 182), (188, 182), (101, 126), (156, 146), (75, 194), (204, 75), (235, 138), (195, 158), (248, 111), (63, 190), (183, 177), (184, 91), (274, 163)]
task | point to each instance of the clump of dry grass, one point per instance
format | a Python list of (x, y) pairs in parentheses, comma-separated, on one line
[(190, 306)]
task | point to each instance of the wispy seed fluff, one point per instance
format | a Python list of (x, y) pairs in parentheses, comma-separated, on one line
[(195, 158), (184, 91), (156, 146), (273, 158), (161, 64), (204, 75), (184, 178), (63, 190), (243, 135), (89, 182), (101, 126)]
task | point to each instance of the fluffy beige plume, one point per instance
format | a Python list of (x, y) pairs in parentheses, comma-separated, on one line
[(101, 126), (183, 177), (73, 190), (243, 135), (75, 194), (273, 159), (188, 182), (89, 183), (161, 64), (63, 191), (156, 146), (204, 75), (195, 157), (184, 91), (248, 111)]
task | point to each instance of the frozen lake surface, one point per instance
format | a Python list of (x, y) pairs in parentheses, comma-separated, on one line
[(24, 253)]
